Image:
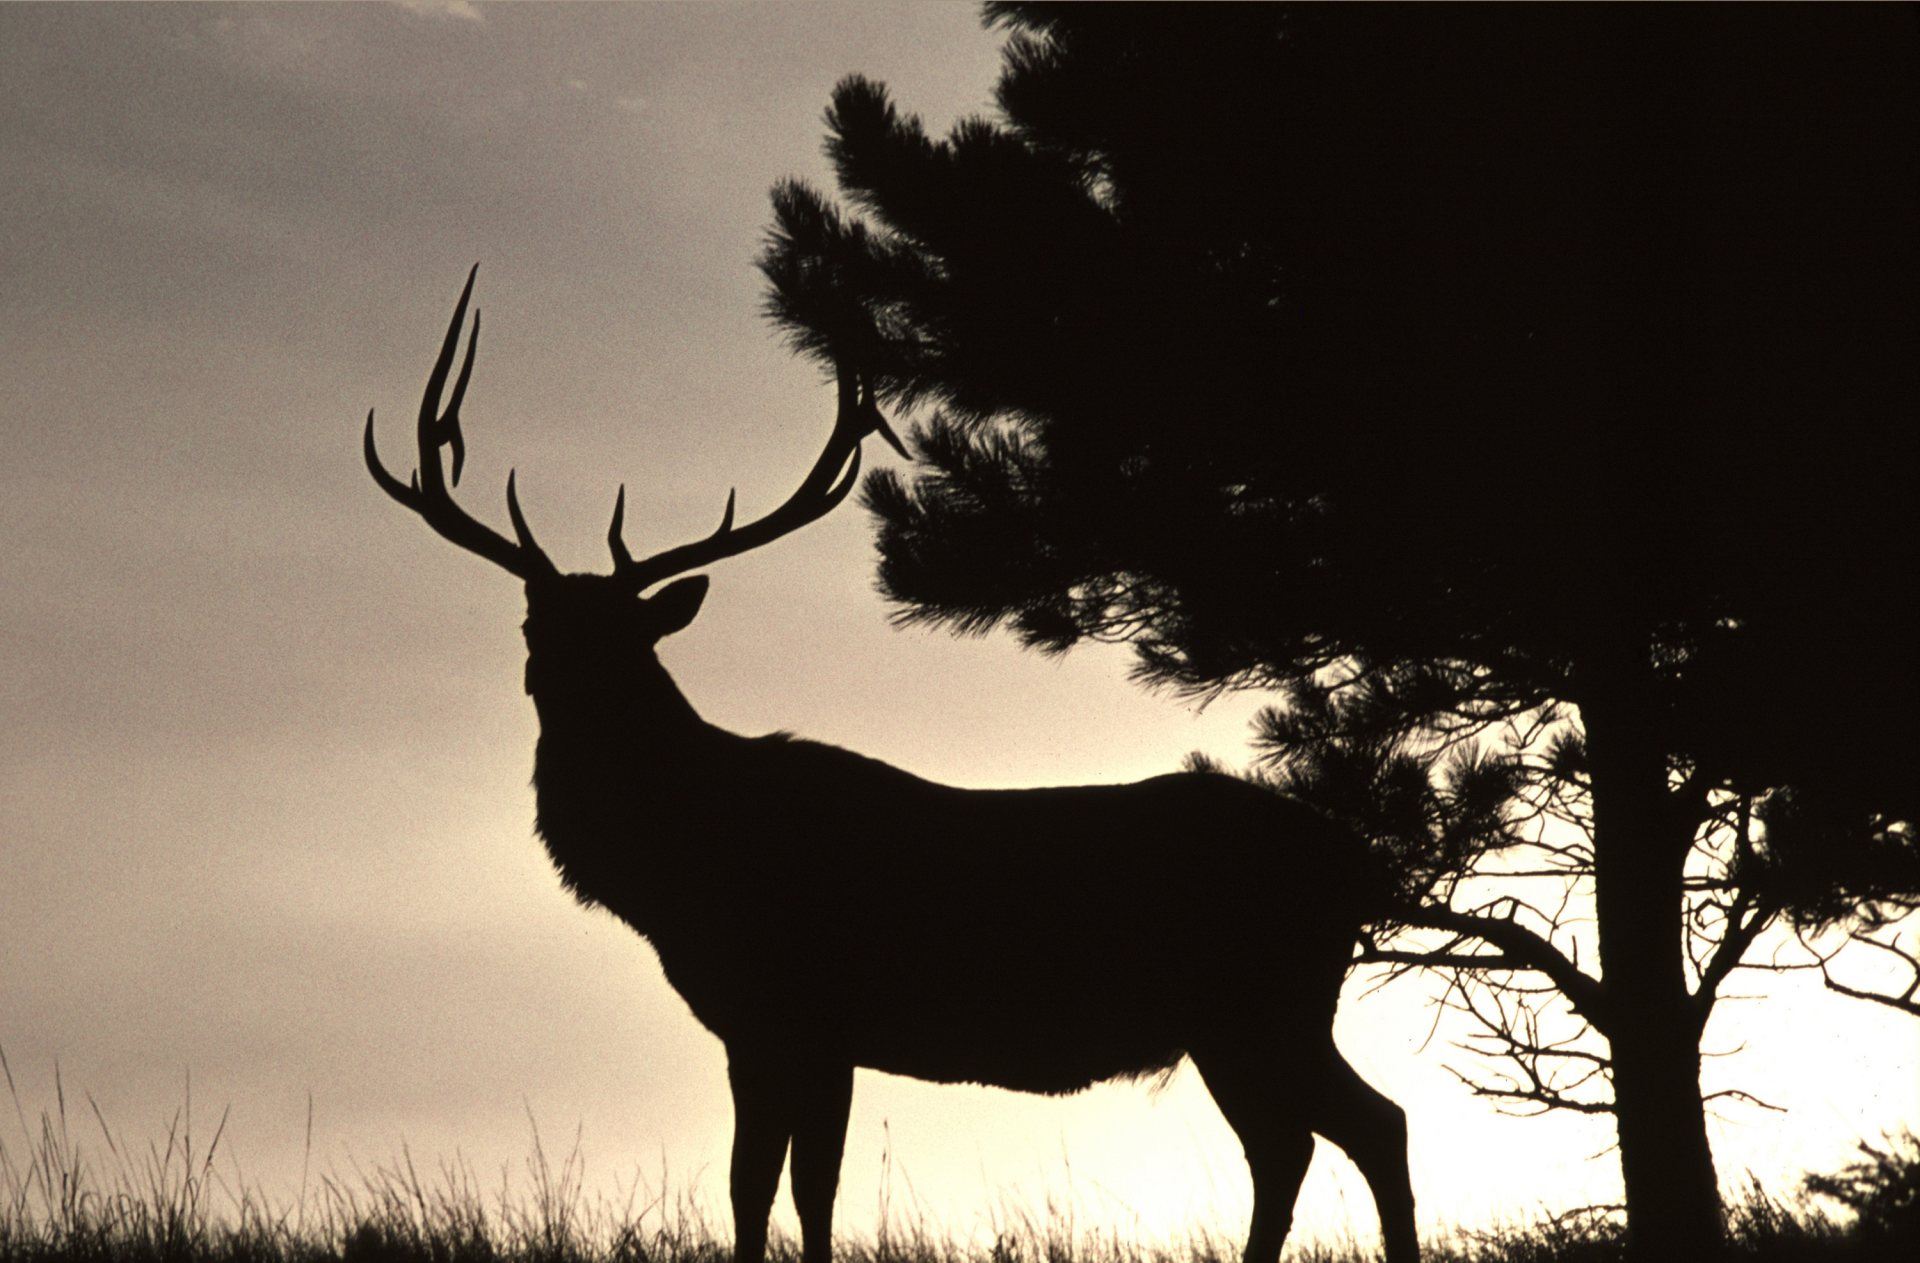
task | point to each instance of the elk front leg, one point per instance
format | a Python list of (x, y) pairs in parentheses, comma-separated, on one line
[(1263, 1111), (819, 1138), (762, 1125)]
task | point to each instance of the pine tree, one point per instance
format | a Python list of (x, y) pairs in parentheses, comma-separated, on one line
[(1453, 374)]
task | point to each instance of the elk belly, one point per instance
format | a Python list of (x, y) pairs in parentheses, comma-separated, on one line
[(1002, 1051)]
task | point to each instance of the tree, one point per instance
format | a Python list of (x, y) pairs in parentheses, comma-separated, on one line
[(1441, 371), (1494, 848)]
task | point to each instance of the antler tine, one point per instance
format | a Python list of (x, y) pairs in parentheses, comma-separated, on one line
[(615, 541), (444, 428), (426, 491), (832, 478), (520, 530), (455, 438)]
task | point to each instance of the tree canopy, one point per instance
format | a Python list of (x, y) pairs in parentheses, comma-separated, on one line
[(1504, 341)]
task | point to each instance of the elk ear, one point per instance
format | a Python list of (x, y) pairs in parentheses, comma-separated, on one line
[(673, 607)]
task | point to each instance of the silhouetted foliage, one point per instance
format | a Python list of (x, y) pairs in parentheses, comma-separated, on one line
[(1882, 1188), (1536, 371), (1284, 338)]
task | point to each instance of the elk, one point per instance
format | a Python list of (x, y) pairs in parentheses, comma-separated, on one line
[(820, 911)]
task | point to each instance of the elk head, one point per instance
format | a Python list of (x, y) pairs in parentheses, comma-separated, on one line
[(582, 629)]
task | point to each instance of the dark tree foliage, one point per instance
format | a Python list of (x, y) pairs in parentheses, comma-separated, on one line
[(1275, 338), (1882, 1187), (1442, 368)]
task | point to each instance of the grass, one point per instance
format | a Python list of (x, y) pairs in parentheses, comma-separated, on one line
[(177, 1201)]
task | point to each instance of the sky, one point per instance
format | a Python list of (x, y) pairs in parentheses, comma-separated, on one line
[(265, 821)]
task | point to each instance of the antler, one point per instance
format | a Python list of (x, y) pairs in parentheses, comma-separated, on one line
[(830, 480), (426, 491), (826, 484)]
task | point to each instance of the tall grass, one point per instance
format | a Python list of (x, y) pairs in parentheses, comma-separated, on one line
[(74, 1189), (180, 1199)]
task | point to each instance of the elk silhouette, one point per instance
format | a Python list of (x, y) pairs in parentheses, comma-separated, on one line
[(821, 911)]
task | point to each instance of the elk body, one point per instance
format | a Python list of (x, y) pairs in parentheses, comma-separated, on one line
[(821, 911)]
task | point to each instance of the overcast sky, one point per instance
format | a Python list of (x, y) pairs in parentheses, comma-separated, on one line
[(264, 813)]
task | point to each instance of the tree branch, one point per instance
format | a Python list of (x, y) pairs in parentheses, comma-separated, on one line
[(1438, 959), (1526, 949), (1726, 955), (1906, 1001)]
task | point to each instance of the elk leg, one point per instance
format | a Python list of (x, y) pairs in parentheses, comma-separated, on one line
[(762, 1125), (1373, 1131), (819, 1139), (1278, 1143)]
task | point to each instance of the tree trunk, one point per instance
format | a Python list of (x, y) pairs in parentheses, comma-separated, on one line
[(1673, 1196), (1640, 849)]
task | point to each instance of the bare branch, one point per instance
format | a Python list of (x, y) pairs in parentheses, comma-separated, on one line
[(1546, 1073), (1523, 946), (1437, 959), (1905, 1001), (1733, 945), (1735, 1094)]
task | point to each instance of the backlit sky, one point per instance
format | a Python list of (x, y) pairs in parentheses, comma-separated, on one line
[(264, 813)]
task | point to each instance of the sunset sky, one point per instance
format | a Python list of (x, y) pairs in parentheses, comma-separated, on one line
[(265, 819)]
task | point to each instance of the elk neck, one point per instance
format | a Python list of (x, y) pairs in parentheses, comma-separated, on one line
[(627, 719), (622, 764), (610, 778)]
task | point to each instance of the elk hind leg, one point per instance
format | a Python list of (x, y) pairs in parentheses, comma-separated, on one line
[(819, 1139), (1373, 1131), (1276, 1138)]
